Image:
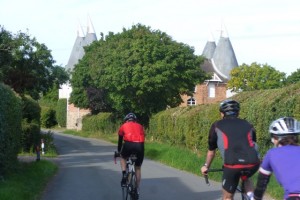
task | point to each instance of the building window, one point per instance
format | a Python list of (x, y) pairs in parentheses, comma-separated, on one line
[(211, 90), (191, 101)]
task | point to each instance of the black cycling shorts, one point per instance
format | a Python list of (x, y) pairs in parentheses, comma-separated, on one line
[(133, 147), (231, 177)]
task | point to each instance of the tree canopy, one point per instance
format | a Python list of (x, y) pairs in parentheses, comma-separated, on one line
[(138, 70), (27, 65), (294, 77), (255, 77)]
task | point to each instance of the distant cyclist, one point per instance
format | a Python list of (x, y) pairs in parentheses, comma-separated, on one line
[(283, 161), (235, 138), (131, 140)]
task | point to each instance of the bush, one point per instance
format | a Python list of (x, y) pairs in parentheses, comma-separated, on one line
[(61, 112), (10, 128), (30, 124), (189, 126), (48, 119), (104, 123)]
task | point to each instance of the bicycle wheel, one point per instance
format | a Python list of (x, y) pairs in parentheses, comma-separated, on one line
[(244, 196), (132, 188), (128, 187), (124, 193)]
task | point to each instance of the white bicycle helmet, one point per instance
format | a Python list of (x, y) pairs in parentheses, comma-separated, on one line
[(284, 126)]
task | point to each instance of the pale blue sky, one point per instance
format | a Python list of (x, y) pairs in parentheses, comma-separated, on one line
[(262, 31)]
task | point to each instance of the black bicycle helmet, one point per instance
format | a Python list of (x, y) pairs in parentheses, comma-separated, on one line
[(229, 107), (130, 117), (284, 126)]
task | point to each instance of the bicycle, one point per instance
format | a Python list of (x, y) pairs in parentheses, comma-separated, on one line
[(240, 188), (129, 192)]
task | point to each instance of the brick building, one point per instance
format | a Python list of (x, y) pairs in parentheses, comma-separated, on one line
[(220, 60), (74, 114)]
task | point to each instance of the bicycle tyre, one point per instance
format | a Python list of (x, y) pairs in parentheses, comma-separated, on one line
[(131, 192), (245, 196), (129, 187), (134, 187), (124, 192)]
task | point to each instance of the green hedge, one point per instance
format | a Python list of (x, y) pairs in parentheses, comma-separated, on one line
[(189, 126), (103, 123), (30, 124), (61, 112), (10, 128), (48, 118)]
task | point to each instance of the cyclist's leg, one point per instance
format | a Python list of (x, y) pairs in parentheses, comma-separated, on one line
[(249, 186), (139, 162), (227, 195), (124, 155), (138, 175), (230, 181)]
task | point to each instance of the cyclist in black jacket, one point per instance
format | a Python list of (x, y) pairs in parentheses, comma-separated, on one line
[(236, 140)]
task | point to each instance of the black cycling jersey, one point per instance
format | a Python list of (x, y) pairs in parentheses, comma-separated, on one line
[(235, 138)]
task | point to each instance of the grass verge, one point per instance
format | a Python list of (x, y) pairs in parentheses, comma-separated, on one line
[(27, 181)]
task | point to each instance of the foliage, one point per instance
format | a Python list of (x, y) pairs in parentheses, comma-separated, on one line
[(30, 124), (134, 68), (48, 119), (10, 128), (50, 149), (61, 112), (27, 65), (293, 78), (30, 136), (103, 123), (189, 126), (255, 77), (28, 181)]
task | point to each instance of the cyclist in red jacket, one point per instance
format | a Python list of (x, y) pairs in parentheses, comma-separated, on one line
[(131, 140)]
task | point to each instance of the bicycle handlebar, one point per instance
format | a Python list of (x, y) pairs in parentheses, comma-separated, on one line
[(210, 170)]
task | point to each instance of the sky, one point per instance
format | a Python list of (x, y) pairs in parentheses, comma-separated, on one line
[(261, 31)]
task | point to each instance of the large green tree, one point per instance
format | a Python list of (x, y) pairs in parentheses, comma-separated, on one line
[(255, 77), (138, 70), (27, 65), (294, 77)]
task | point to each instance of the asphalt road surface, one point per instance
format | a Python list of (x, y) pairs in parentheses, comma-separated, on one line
[(87, 172)]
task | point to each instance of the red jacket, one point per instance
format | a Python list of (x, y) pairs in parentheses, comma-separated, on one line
[(132, 132)]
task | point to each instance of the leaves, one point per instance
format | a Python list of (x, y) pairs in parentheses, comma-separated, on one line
[(142, 70), (27, 66), (255, 77)]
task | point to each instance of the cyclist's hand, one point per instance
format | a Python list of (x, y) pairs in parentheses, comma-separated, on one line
[(204, 170), (117, 154)]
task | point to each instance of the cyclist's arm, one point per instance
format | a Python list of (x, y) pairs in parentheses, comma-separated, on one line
[(261, 185), (209, 157), (120, 143)]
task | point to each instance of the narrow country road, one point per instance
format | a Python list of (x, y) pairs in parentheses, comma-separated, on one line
[(87, 172)]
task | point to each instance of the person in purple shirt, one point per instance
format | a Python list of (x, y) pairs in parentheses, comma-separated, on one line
[(283, 161)]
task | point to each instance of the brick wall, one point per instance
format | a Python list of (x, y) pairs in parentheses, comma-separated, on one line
[(201, 94), (74, 117)]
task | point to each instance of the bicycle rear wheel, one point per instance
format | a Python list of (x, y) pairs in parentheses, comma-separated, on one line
[(132, 188)]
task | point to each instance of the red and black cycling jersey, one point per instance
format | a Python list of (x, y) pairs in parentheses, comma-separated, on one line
[(132, 132), (235, 138)]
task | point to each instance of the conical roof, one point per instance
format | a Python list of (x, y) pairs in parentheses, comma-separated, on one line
[(80, 42), (209, 48), (224, 59), (91, 35)]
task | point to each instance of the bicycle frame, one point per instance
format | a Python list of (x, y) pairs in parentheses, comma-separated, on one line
[(240, 188), (131, 181), (130, 191)]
